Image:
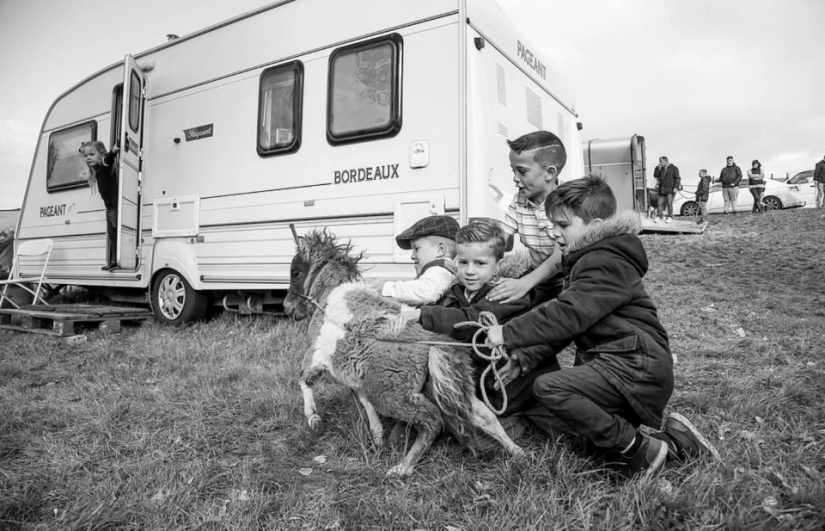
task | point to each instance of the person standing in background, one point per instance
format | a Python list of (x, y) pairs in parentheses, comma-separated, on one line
[(702, 194), (730, 177), (756, 184), (819, 179), (667, 182)]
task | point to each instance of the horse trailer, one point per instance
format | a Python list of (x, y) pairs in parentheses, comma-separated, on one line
[(622, 162), (359, 116)]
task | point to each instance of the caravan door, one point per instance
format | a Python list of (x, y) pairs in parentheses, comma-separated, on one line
[(131, 164)]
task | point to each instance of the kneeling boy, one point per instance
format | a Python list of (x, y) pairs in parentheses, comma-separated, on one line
[(624, 370)]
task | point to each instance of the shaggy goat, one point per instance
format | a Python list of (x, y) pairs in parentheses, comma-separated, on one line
[(389, 377)]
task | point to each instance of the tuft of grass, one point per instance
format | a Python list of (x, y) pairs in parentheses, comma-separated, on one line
[(201, 427)]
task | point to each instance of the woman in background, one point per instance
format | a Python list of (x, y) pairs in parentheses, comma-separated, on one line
[(756, 184)]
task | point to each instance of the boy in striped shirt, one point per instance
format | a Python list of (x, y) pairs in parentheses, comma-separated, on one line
[(537, 160)]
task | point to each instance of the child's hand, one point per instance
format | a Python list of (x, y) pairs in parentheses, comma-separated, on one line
[(508, 373), (495, 337), (509, 290), (116, 149)]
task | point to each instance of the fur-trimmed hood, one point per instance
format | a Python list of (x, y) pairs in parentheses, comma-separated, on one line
[(618, 234), (624, 222)]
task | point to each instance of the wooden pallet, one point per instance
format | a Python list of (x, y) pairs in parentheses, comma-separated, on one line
[(68, 319)]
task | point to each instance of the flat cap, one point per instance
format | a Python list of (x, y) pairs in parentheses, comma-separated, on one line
[(444, 226)]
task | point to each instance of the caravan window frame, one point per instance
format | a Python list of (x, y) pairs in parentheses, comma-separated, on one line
[(135, 97), (117, 115), (393, 125), (297, 67), (79, 183)]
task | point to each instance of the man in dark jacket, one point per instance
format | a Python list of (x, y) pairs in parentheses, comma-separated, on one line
[(624, 368), (819, 179), (730, 177), (667, 182)]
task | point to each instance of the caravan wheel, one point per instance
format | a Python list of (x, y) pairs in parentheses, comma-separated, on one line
[(174, 301)]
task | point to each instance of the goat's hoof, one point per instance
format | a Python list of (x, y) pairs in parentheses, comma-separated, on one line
[(399, 471), (315, 423), (517, 451)]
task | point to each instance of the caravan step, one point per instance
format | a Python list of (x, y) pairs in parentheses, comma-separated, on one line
[(68, 319)]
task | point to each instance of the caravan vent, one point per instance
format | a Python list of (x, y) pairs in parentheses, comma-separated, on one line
[(502, 130), (501, 85), (561, 130), (533, 108)]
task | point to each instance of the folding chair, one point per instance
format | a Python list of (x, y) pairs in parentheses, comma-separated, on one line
[(29, 249)]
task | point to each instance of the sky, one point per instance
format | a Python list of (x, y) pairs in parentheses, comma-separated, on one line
[(699, 79)]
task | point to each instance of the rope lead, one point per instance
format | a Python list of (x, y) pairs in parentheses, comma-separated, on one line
[(485, 321)]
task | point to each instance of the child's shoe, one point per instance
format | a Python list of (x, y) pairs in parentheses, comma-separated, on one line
[(649, 458), (684, 441), (668, 219)]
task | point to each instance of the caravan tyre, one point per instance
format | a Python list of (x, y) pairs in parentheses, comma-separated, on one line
[(174, 301)]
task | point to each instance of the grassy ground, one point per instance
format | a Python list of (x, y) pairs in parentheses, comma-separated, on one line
[(202, 427)]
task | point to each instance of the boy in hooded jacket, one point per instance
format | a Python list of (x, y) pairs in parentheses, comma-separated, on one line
[(702, 195), (623, 375)]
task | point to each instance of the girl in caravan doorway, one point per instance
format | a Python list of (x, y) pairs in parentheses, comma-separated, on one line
[(103, 177)]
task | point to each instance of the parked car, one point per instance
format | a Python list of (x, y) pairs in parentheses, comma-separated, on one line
[(804, 180), (777, 195)]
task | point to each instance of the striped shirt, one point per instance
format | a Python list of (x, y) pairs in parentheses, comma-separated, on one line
[(534, 229)]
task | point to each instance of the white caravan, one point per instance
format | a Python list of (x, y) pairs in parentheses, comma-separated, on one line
[(360, 116)]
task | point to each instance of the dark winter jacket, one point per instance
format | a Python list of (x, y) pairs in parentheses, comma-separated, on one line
[(106, 176), (730, 176), (605, 310), (454, 308), (819, 172), (703, 190), (667, 179)]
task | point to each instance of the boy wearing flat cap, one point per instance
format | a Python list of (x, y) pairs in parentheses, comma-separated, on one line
[(432, 242)]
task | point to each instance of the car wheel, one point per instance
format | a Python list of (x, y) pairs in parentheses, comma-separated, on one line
[(772, 203), (690, 209), (174, 302)]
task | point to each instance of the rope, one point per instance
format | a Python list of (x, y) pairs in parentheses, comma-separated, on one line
[(485, 321)]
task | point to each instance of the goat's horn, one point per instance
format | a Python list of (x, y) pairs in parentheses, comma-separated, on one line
[(294, 233)]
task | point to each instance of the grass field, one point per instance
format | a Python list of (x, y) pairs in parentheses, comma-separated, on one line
[(202, 427)]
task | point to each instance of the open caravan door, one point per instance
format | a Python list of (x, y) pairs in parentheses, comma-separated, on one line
[(131, 164)]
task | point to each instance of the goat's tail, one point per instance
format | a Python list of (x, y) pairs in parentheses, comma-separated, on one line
[(453, 388)]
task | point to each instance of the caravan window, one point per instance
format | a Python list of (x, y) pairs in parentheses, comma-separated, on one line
[(364, 95), (65, 167), (279, 109), (134, 101)]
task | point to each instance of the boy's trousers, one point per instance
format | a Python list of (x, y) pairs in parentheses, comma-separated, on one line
[(580, 402)]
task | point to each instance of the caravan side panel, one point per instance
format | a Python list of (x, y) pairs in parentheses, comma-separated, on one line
[(509, 96)]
